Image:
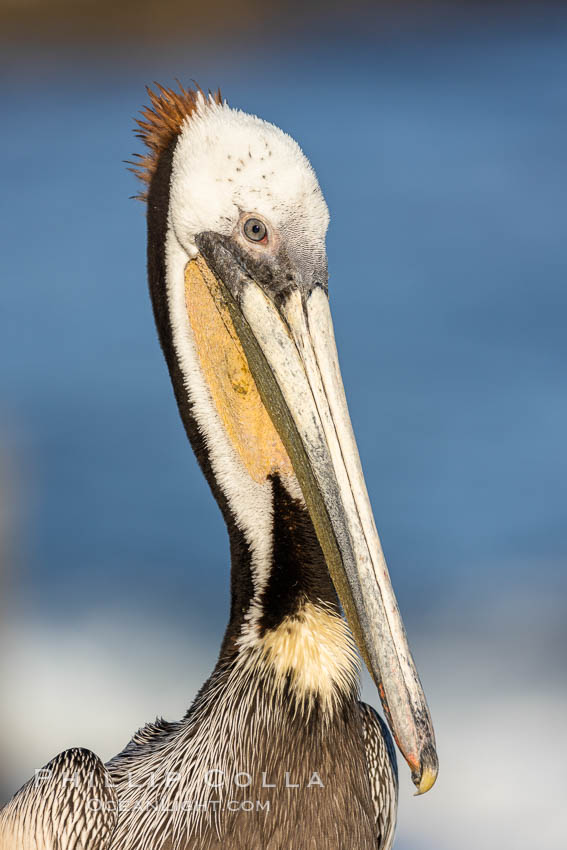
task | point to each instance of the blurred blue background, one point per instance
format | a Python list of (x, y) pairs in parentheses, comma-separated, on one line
[(439, 140)]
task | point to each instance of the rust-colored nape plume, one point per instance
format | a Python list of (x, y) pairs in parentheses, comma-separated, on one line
[(161, 123)]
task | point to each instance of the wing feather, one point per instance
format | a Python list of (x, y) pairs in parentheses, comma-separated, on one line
[(383, 772), (70, 804)]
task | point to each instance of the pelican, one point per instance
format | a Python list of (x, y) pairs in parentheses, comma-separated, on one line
[(276, 752)]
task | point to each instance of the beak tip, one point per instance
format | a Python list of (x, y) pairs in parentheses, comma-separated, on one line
[(424, 779)]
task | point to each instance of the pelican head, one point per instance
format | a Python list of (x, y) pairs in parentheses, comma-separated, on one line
[(237, 226)]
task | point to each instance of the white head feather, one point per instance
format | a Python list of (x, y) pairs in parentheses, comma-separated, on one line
[(227, 162)]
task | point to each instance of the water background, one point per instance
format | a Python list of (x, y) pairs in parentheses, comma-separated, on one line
[(442, 158)]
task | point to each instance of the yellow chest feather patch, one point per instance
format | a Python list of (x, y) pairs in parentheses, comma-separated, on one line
[(316, 650)]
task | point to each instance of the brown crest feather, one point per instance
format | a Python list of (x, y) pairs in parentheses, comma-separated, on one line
[(160, 123)]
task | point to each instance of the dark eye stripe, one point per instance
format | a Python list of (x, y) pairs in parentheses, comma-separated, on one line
[(254, 229)]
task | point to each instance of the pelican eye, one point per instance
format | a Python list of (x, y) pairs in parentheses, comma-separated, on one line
[(255, 230)]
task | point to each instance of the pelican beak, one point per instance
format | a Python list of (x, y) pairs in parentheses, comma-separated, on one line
[(280, 311)]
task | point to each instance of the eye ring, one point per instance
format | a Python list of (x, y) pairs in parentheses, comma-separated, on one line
[(255, 230)]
